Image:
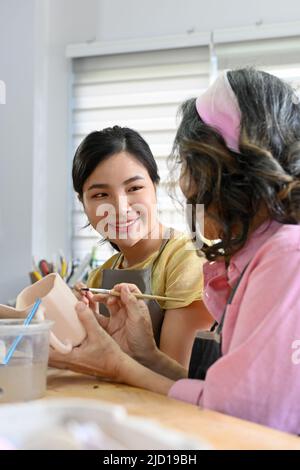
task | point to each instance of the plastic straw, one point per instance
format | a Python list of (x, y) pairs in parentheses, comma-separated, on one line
[(18, 339)]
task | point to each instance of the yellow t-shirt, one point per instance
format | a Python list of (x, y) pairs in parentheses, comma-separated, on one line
[(176, 273)]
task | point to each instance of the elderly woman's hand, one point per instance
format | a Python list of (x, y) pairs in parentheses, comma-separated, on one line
[(98, 355), (101, 356), (129, 323)]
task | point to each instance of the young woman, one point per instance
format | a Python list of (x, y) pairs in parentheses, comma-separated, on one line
[(115, 176), (239, 146)]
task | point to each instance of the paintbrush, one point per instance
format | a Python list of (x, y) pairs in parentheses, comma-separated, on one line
[(138, 296)]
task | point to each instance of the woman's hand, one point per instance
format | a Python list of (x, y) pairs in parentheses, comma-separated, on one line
[(101, 356), (98, 355), (129, 323), (85, 296)]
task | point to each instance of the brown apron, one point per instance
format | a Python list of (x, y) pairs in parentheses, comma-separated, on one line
[(142, 278)]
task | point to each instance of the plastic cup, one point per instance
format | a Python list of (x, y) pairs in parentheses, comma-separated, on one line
[(24, 377)]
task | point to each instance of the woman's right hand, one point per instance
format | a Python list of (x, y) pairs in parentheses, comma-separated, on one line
[(85, 296), (129, 323)]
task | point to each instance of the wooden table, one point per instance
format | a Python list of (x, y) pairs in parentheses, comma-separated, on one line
[(221, 431)]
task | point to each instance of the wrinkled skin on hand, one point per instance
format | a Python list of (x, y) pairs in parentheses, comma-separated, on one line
[(127, 330), (129, 323)]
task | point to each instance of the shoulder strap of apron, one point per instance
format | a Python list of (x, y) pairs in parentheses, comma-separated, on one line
[(116, 261), (232, 294), (162, 246)]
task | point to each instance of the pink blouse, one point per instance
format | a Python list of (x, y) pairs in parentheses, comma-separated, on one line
[(258, 376)]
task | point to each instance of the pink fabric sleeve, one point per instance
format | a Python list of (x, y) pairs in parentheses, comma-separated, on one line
[(189, 390)]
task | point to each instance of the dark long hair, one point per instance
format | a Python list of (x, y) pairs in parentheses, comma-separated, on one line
[(100, 145), (264, 173)]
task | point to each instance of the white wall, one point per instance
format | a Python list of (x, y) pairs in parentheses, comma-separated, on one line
[(68, 21), (146, 18), (16, 142), (34, 158)]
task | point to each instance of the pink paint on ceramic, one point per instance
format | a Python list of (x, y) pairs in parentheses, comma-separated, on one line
[(58, 304)]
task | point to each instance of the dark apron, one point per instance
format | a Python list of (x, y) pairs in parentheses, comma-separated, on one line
[(142, 278), (207, 347)]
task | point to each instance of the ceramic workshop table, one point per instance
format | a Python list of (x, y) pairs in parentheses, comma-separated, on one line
[(221, 431)]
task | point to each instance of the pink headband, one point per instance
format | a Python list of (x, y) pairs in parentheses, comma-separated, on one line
[(218, 107)]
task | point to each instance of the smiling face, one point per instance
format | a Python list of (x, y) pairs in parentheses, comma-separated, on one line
[(119, 199)]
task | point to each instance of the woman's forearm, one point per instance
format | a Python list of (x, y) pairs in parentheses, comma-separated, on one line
[(164, 365), (124, 370), (133, 373)]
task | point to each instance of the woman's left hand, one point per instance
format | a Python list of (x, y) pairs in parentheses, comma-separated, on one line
[(98, 355)]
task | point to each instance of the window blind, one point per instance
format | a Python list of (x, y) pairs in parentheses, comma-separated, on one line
[(281, 57)]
